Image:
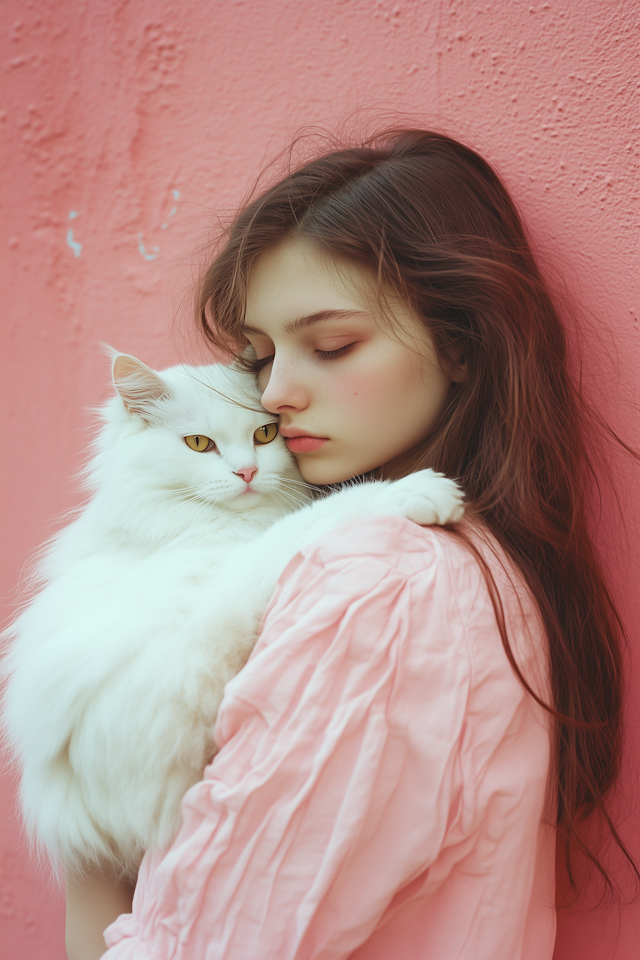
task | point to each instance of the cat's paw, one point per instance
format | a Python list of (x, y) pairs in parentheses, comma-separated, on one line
[(425, 497)]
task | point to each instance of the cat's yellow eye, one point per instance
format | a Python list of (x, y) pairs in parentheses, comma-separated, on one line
[(266, 434), (199, 443)]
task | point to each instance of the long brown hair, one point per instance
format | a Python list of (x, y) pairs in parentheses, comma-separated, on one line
[(437, 227)]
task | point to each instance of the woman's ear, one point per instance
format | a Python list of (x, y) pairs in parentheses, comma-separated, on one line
[(137, 384), (458, 372), (454, 364)]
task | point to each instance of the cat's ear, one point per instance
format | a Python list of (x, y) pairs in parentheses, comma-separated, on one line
[(137, 385)]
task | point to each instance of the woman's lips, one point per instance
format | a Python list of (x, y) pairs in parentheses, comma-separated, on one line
[(304, 444)]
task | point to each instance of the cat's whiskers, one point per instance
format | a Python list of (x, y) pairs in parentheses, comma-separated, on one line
[(288, 500), (301, 492), (284, 499), (298, 483), (287, 482), (294, 490), (145, 506), (286, 492)]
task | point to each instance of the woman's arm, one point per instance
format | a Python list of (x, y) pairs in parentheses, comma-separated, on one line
[(94, 900), (317, 809)]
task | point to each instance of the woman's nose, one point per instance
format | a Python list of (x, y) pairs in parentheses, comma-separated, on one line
[(284, 390)]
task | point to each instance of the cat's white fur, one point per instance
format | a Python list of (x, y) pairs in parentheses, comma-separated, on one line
[(150, 602)]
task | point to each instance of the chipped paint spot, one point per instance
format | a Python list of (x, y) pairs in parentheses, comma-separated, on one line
[(143, 252), (174, 210), (75, 245)]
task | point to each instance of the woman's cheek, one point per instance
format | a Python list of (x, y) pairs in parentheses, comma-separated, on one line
[(360, 385)]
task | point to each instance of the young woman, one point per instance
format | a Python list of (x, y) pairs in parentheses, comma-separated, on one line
[(427, 709)]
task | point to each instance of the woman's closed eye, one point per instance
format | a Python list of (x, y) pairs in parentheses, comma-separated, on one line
[(330, 348), (333, 354), (261, 362)]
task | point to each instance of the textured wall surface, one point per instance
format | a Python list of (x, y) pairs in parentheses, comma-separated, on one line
[(128, 124)]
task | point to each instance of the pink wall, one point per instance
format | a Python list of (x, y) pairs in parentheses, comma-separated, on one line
[(126, 125)]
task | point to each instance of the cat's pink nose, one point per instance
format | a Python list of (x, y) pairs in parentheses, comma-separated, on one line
[(247, 473)]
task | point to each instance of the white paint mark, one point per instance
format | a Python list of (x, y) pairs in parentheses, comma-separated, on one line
[(75, 246), (174, 210), (143, 252)]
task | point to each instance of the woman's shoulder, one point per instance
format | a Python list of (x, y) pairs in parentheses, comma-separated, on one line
[(457, 578), (367, 606), (371, 568), (389, 562), (407, 548)]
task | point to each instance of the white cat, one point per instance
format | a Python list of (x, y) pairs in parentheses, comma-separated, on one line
[(151, 601)]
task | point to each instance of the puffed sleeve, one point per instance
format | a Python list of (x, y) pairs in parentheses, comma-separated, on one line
[(337, 768)]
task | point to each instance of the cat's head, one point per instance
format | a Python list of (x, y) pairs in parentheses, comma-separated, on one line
[(201, 434)]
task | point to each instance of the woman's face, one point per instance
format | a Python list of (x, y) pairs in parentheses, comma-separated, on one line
[(351, 394)]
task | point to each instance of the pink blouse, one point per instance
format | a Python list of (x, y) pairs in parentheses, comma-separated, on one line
[(382, 788)]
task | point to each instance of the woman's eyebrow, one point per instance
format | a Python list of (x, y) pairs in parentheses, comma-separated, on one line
[(302, 322)]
